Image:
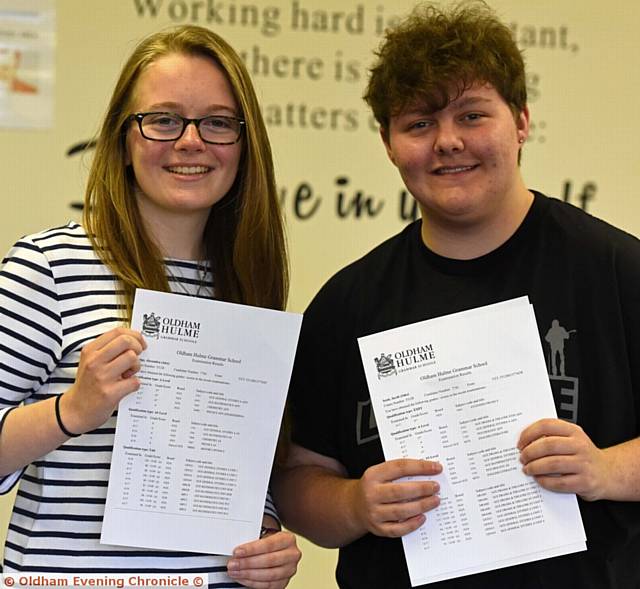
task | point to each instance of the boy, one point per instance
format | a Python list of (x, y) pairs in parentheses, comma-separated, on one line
[(449, 93)]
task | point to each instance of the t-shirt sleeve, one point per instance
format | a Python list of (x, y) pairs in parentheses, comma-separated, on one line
[(30, 329), (316, 382), (628, 271)]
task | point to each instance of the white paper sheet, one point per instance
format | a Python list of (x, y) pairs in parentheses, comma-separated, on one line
[(459, 389), (194, 445)]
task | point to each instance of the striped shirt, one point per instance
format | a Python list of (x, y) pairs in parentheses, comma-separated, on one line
[(55, 296)]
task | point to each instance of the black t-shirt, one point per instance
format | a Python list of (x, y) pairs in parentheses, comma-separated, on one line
[(582, 277)]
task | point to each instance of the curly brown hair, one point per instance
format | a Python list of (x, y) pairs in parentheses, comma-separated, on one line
[(436, 53)]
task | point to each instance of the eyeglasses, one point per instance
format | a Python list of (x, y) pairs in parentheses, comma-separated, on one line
[(167, 126)]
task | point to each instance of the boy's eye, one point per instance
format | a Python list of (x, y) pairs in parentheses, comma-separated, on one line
[(420, 125)]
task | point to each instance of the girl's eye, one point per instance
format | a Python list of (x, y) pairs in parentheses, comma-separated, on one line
[(217, 123), (164, 121)]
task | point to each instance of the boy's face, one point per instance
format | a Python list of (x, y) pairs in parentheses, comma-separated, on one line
[(460, 163)]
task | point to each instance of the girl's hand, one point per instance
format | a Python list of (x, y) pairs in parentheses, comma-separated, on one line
[(267, 563), (106, 374)]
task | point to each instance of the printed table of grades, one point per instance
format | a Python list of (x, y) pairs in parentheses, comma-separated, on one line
[(459, 389), (194, 445)]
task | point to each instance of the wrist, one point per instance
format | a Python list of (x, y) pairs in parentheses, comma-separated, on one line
[(356, 516), (609, 482), (267, 531), (59, 419)]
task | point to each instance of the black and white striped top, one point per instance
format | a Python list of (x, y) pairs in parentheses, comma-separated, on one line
[(55, 296)]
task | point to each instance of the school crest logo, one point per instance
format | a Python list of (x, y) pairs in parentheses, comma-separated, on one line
[(151, 325), (385, 366)]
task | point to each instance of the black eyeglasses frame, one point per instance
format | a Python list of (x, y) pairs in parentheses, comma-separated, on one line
[(138, 116)]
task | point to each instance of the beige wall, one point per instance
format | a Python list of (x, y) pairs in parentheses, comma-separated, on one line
[(583, 61)]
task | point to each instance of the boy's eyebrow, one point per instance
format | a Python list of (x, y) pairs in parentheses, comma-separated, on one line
[(466, 101), (458, 104)]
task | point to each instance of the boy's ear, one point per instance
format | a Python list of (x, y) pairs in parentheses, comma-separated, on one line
[(522, 124)]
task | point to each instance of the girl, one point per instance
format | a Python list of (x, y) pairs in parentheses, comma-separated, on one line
[(181, 197)]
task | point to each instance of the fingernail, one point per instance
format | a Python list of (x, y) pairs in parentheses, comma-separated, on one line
[(239, 552), (436, 487)]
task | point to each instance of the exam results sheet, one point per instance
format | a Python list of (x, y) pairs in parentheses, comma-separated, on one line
[(459, 390), (194, 445)]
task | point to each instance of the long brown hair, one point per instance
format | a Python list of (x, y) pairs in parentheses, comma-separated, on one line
[(244, 236)]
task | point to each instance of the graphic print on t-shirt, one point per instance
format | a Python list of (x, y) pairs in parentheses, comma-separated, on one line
[(366, 427), (565, 388)]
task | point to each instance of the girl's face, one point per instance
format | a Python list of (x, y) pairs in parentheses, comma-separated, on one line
[(187, 176)]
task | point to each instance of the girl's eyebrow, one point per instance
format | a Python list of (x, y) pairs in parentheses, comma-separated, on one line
[(174, 106)]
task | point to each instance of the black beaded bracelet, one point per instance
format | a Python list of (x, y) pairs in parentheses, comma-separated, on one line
[(65, 431)]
